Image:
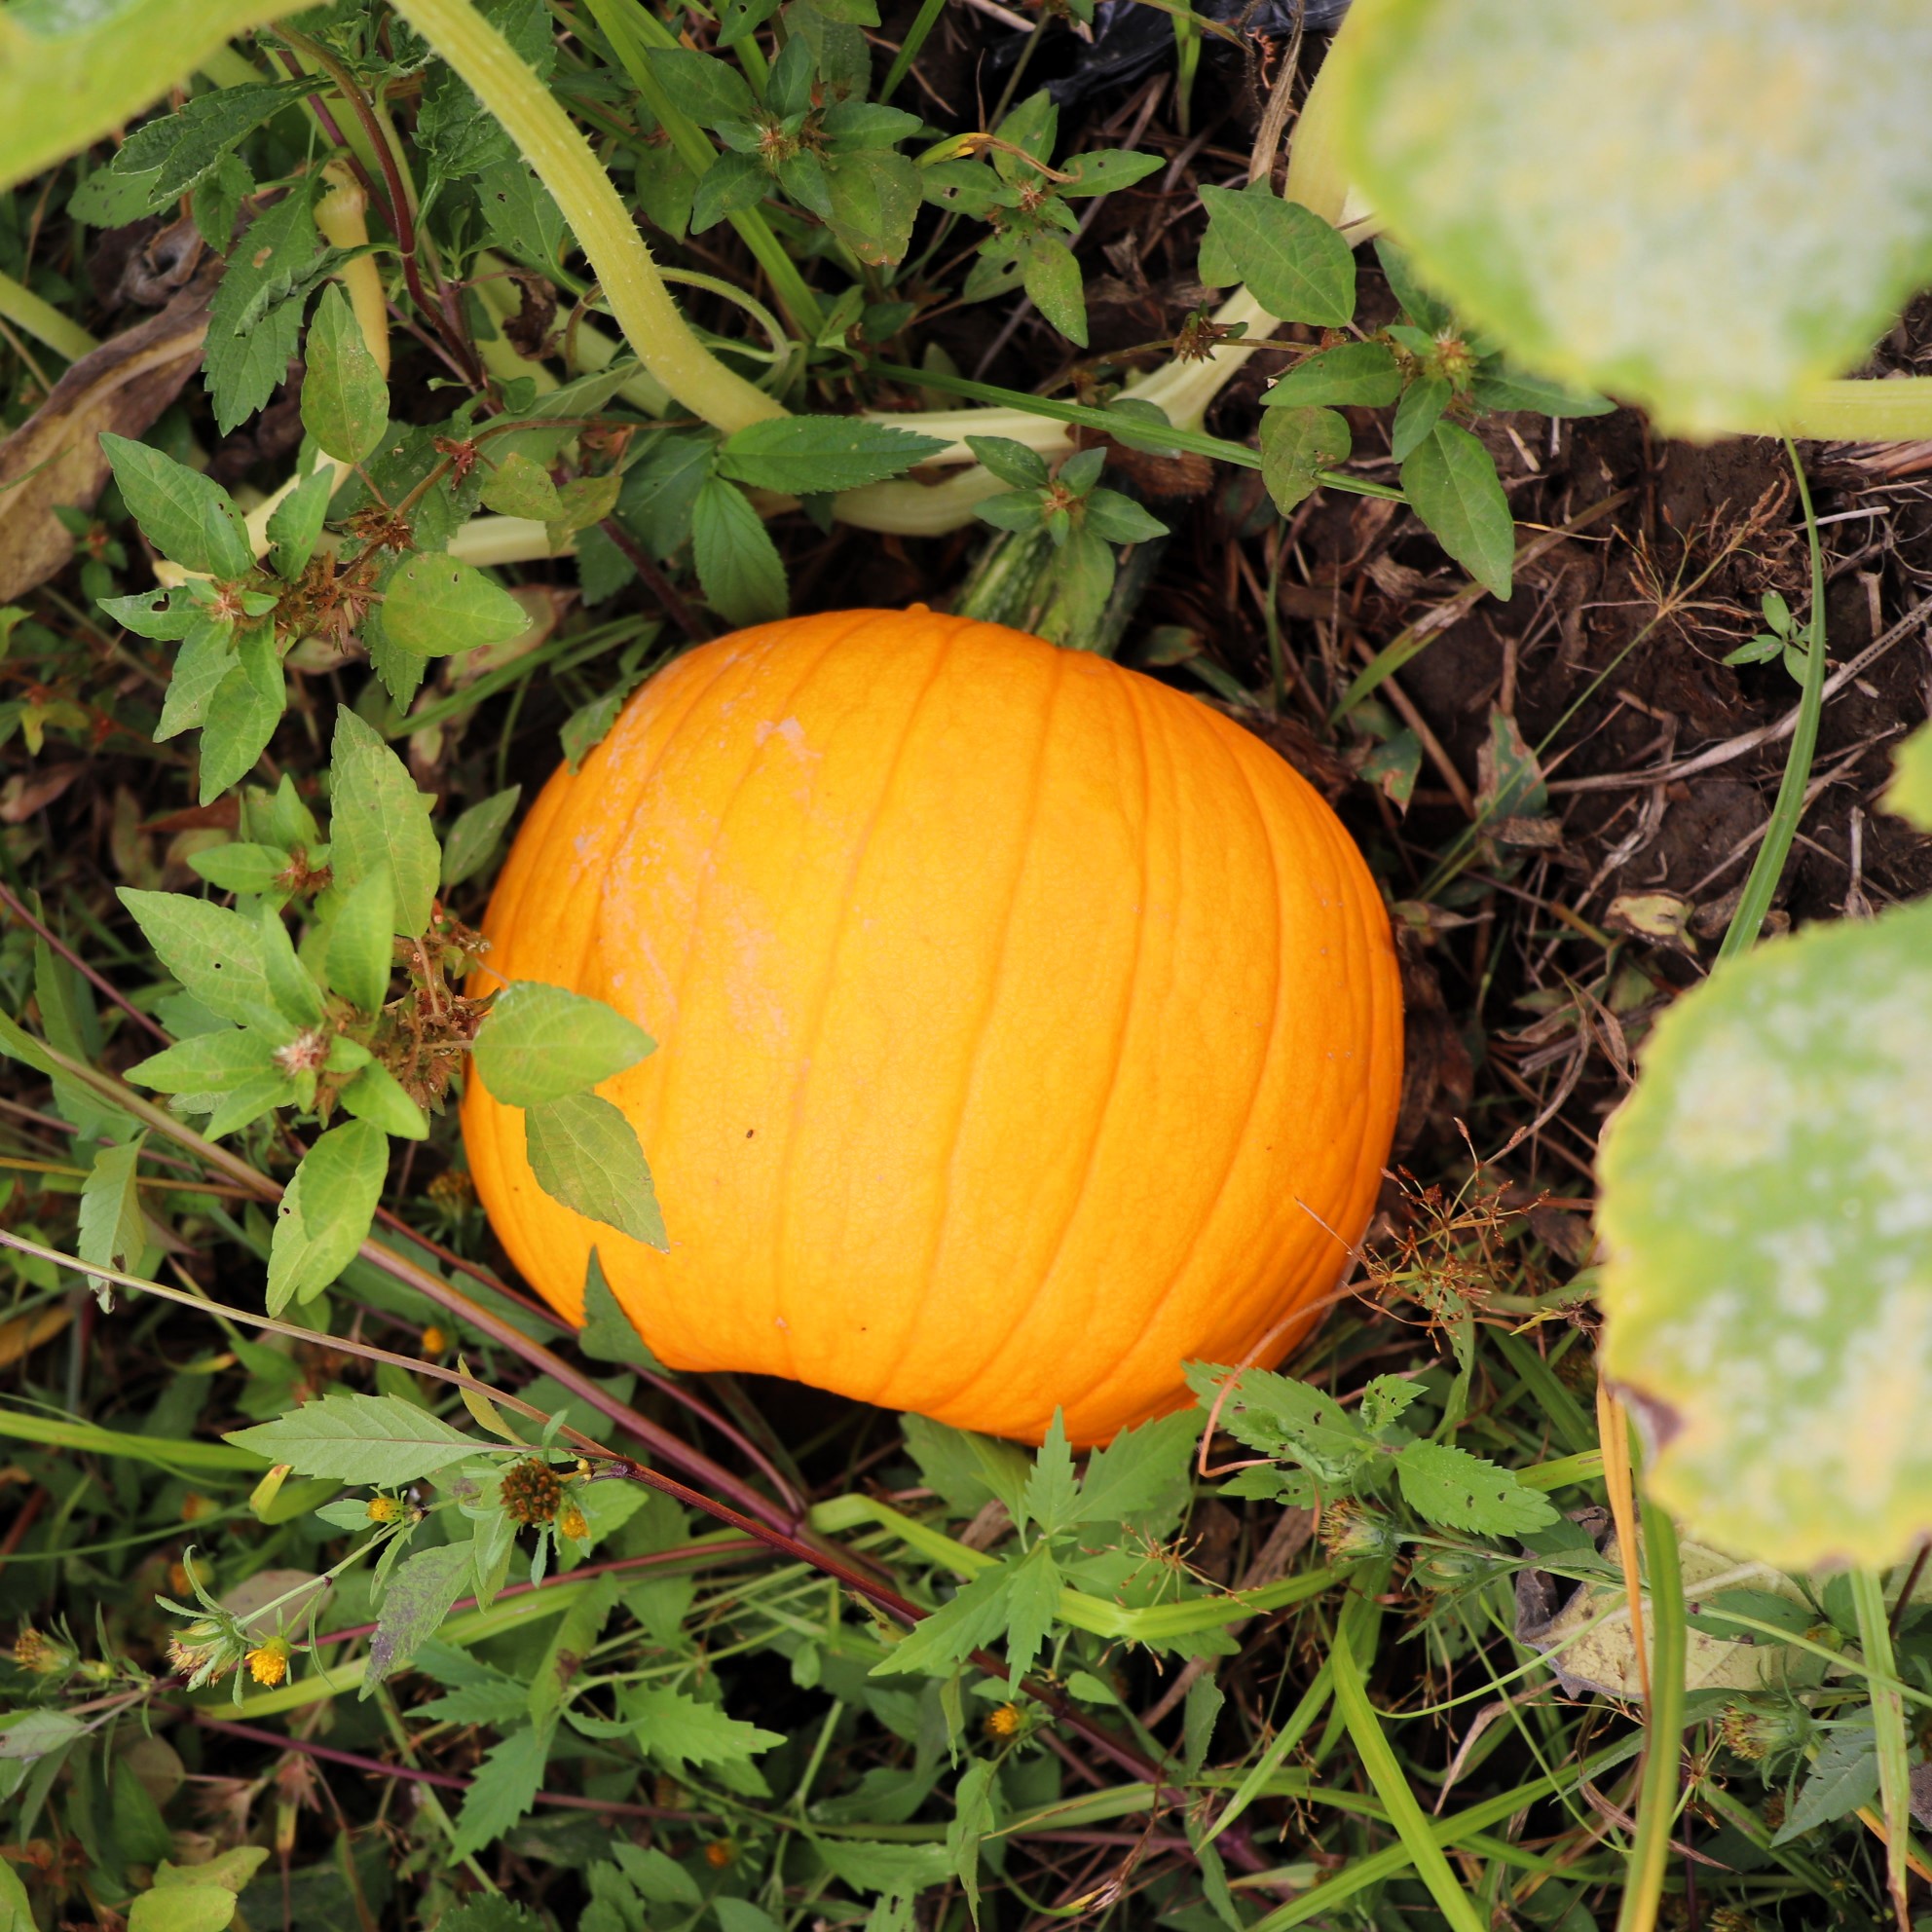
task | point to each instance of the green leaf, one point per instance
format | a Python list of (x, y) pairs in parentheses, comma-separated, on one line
[(1120, 519), (241, 867), (183, 1908), (965, 1469), (1360, 373), (1448, 1486), (208, 1063), (323, 1218), (1296, 266), (472, 839), (345, 401), (1296, 445), (677, 1729), (1684, 242), (709, 90), (1909, 794), (113, 1231), (873, 1864), (1012, 462), (503, 1787), (243, 714), (256, 315), (875, 200), (607, 1334), (808, 455), (217, 954), (1281, 1417), (1418, 413), (521, 214), (1051, 276), (585, 1154), (1031, 1603), (435, 604), (973, 1617), (1102, 170), (1144, 1476), (1498, 387), (421, 1592), (520, 486), (1769, 1232), (361, 942), (186, 516), (72, 73), (738, 563), (380, 822), (1451, 483), (376, 1096), (590, 724), (732, 183), (541, 1043), (378, 1442), (206, 658), (973, 1822)]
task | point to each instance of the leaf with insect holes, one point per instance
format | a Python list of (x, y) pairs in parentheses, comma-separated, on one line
[(256, 315), (1280, 1416), (1295, 265), (420, 1595), (1769, 1224), (1451, 483), (808, 455), (325, 1216), (1297, 445), (873, 197), (1683, 240), (345, 401), (1051, 276), (1450, 1487), (585, 1154), (542, 1042), (1909, 794), (217, 954), (378, 1441), (188, 517), (435, 604), (380, 822), (519, 486)]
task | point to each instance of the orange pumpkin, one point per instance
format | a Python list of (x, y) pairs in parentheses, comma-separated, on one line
[(1025, 1029)]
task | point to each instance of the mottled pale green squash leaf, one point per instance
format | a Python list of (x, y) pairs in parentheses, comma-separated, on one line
[(1909, 794), (1700, 208), (1767, 1208)]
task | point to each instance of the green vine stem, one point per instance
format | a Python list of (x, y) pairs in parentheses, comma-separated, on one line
[(603, 229), (1875, 1642), (1663, 1728)]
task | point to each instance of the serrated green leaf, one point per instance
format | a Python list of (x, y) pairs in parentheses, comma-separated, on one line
[(973, 1822), (1049, 1486), (1770, 1229), (1032, 1604), (521, 214), (380, 822), (186, 516), (217, 954), (175, 152), (504, 1787), (738, 563), (678, 1729), (973, 1617), (435, 604), (323, 1218), (1451, 483), (585, 1154), (1280, 1416), (375, 1442), (253, 324), (1296, 266), (1296, 445), (965, 1469), (807, 455), (1450, 1487), (361, 942), (1842, 1778), (345, 401), (1684, 242), (1359, 373), (1144, 1475), (708, 90)]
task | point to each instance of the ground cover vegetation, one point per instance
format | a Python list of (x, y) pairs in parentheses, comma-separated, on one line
[(388, 391)]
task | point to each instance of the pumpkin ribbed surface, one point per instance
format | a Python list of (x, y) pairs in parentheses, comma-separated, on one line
[(1025, 1029)]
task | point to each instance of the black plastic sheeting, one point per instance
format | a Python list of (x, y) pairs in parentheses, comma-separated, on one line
[(1130, 41)]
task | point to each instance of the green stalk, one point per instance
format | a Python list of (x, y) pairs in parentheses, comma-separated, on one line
[(1664, 1732), (603, 229), (42, 320), (1768, 866), (1378, 1760), (1875, 1640), (908, 49), (164, 1452)]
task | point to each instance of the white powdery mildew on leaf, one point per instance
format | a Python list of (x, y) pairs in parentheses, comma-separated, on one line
[(1696, 207), (1768, 1205)]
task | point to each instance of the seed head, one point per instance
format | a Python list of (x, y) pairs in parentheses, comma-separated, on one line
[(40, 1655), (531, 1492)]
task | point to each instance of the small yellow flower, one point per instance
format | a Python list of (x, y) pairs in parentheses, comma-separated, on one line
[(1003, 1721), (719, 1853), (570, 1523), (386, 1509), (434, 1341), (267, 1664)]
